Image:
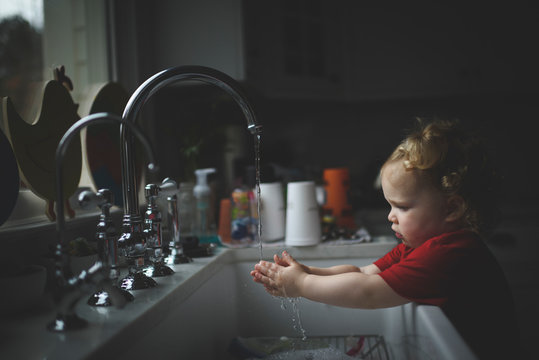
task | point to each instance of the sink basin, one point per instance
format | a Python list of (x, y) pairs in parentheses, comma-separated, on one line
[(211, 303), (230, 305)]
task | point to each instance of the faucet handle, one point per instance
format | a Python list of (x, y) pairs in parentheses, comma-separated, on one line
[(168, 187), (255, 129), (89, 199)]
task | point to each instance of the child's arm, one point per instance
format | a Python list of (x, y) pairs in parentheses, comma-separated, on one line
[(333, 270), (351, 289)]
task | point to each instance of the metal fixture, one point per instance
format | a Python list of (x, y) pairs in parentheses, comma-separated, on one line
[(107, 243), (176, 255), (153, 229), (69, 289), (146, 259), (132, 235)]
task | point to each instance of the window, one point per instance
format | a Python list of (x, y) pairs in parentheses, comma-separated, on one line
[(21, 50), (35, 37)]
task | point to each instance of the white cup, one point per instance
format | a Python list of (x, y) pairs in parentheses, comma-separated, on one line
[(302, 217), (272, 211)]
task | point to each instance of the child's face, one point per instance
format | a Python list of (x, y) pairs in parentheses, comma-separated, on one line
[(418, 209)]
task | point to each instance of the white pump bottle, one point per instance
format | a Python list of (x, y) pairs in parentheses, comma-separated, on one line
[(201, 191)]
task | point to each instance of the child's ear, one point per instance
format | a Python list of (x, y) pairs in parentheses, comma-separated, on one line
[(455, 208)]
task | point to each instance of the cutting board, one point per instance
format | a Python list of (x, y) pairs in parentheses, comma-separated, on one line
[(9, 180), (34, 144), (103, 150)]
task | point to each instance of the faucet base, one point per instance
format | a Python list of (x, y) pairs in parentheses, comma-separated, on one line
[(68, 322), (157, 270), (102, 297), (175, 256), (137, 281)]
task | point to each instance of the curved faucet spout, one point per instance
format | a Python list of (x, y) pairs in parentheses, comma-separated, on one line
[(201, 73), (150, 87), (62, 148)]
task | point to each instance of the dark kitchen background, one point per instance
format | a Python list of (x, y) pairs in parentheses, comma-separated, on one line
[(337, 83)]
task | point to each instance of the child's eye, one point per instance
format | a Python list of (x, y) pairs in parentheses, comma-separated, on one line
[(403, 208)]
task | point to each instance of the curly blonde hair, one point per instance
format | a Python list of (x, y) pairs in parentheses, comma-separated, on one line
[(456, 162)]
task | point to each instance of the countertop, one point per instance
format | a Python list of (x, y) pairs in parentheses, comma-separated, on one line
[(24, 336)]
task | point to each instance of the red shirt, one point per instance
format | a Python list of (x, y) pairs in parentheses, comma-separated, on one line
[(457, 272)]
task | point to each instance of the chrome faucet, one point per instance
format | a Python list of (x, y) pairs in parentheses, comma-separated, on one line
[(153, 229), (69, 289), (107, 243), (132, 221)]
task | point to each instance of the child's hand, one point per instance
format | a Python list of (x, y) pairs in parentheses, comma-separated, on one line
[(282, 278), (279, 261), (283, 262)]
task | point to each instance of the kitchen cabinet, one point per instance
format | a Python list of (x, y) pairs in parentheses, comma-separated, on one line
[(345, 49), (202, 32), (294, 48), (280, 48), (370, 51), (431, 50)]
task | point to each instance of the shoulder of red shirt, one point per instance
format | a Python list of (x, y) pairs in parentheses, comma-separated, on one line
[(462, 237)]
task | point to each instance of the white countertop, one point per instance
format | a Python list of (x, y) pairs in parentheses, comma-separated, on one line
[(26, 336)]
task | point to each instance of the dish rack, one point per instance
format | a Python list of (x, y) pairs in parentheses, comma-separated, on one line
[(367, 347), (371, 347)]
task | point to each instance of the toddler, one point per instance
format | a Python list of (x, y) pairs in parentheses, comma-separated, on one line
[(439, 186)]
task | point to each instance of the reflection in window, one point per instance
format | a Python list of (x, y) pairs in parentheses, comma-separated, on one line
[(21, 51)]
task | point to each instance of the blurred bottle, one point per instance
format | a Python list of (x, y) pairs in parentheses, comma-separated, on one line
[(186, 210), (225, 220), (337, 186), (241, 216), (204, 230)]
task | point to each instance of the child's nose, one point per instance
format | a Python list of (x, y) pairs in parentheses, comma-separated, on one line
[(391, 217)]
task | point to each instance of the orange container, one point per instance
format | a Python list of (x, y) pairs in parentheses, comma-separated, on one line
[(224, 220), (337, 187)]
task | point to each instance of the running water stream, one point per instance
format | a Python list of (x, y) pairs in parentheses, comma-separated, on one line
[(296, 319), (257, 181)]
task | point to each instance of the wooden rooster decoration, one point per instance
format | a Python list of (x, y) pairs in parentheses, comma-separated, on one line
[(35, 143)]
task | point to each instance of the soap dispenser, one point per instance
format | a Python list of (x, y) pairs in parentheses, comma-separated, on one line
[(202, 192)]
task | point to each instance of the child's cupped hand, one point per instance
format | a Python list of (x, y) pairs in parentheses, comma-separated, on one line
[(281, 278)]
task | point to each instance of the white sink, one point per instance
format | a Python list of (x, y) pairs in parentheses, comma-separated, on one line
[(198, 311), (231, 305)]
